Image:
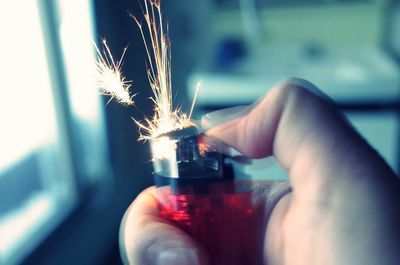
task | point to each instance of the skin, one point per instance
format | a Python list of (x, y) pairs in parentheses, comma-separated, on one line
[(342, 205)]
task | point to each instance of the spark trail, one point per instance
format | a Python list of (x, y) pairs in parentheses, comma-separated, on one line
[(154, 32), (110, 80), (165, 118)]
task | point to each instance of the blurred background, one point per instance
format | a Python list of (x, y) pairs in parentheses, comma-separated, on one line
[(70, 164)]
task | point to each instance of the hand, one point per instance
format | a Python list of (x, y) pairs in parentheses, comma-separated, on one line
[(343, 207)]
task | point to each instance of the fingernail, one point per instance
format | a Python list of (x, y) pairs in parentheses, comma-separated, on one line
[(178, 256), (294, 81), (218, 117)]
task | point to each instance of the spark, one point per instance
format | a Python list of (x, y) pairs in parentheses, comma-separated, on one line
[(194, 100), (166, 118), (110, 80)]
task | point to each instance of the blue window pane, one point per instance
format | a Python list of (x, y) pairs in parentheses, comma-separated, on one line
[(52, 139)]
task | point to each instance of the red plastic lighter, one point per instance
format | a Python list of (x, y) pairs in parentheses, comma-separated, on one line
[(199, 191)]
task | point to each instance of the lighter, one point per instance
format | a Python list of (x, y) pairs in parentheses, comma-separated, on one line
[(198, 191)]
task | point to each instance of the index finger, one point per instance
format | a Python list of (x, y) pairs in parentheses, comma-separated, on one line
[(309, 137)]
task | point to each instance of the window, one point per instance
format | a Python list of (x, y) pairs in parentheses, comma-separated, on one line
[(52, 138)]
